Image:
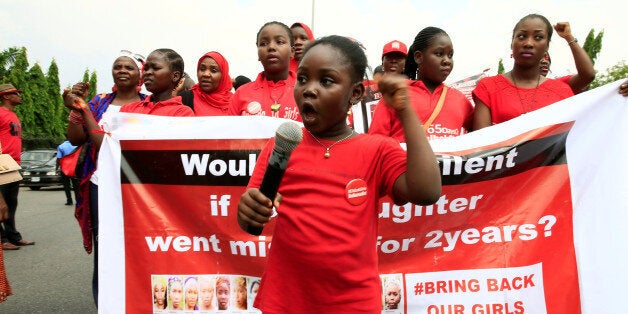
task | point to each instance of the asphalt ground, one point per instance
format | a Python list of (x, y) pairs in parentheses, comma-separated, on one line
[(54, 275)]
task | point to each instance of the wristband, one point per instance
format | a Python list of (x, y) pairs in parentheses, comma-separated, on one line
[(76, 118), (575, 40)]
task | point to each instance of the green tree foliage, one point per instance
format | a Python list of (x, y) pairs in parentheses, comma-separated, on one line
[(617, 72), (41, 111), (593, 44), (53, 89), (93, 86), (500, 67), (7, 59)]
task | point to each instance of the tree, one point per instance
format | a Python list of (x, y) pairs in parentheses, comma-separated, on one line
[(7, 59), (500, 67), (617, 72), (53, 87), (593, 44), (93, 81), (42, 125), (93, 85)]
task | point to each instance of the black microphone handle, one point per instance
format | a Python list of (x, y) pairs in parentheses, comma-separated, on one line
[(268, 187)]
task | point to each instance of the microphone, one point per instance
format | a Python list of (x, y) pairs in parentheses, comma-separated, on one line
[(287, 137)]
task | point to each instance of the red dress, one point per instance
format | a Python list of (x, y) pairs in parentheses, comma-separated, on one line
[(323, 257), (507, 101)]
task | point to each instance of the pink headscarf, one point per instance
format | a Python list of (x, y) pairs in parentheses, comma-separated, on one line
[(221, 96)]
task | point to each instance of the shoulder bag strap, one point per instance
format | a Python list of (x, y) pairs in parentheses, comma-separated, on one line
[(436, 111)]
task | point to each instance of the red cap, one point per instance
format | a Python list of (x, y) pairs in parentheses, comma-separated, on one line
[(8, 89), (395, 46)]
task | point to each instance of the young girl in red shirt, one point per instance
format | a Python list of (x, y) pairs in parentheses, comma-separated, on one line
[(162, 72), (271, 92), (323, 258), (446, 112)]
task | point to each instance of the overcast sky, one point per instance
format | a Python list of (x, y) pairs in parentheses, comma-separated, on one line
[(89, 34)]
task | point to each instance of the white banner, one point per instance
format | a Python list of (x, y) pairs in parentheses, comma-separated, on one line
[(596, 148)]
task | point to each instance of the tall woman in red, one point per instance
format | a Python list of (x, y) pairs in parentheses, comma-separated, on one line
[(505, 96), (271, 94), (212, 94)]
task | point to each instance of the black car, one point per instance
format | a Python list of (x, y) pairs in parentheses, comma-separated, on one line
[(38, 169)]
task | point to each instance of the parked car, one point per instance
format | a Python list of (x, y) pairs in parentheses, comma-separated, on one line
[(38, 169)]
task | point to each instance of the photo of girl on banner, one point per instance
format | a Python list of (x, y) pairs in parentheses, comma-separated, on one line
[(175, 293), (191, 293), (223, 291), (159, 293), (239, 293), (392, 293), (206, 295)]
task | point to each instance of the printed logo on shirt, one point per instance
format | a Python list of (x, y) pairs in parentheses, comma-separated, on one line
[(15, 129), (356, 191)]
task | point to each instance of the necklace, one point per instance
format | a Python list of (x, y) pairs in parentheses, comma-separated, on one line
[(327, 148), (532, 101), (275, 106)]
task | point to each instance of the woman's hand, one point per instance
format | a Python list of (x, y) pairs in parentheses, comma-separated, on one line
[(81, 89), (73, 101), (564, 31)]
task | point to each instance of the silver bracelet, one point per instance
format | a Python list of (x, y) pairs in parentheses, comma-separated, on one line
[(575, 40)]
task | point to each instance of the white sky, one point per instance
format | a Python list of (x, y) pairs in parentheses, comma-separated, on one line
[(90, 34)]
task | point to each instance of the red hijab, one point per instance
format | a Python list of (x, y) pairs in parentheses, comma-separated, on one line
[(221, 96), (294, 64), (305, 27)]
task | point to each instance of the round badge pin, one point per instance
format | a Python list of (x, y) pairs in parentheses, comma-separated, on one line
[(253, 107), (356, 191)]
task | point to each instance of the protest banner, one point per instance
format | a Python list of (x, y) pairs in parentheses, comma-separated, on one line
[(530, 219)]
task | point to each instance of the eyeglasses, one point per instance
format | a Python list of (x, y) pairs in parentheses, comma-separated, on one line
[(135, 56)]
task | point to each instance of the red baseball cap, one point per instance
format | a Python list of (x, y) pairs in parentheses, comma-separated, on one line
[(395, 46), (8, 89)]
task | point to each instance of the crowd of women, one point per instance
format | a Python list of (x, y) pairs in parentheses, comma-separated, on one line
[(316, 82)]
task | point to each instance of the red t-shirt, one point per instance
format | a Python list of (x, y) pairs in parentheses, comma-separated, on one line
[(10, 134), (171, 107), (454, 119), (506, 101), (267, 98), (323, 257)]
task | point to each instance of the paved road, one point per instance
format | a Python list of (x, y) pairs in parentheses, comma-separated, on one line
[(54, 275)]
